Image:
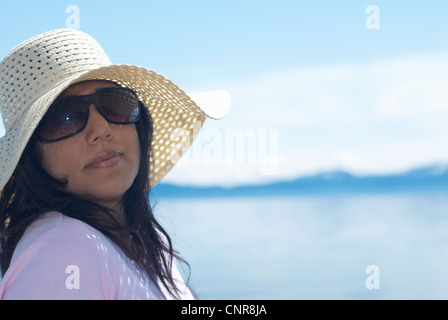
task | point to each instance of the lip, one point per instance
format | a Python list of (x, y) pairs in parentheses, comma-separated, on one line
[(105, 160)]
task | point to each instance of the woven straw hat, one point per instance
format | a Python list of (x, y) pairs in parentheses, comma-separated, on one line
[(34, 73)]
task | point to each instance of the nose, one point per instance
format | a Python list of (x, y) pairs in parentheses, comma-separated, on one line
[(97, 128)]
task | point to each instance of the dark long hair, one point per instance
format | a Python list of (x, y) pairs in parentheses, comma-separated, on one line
[(31, 192)]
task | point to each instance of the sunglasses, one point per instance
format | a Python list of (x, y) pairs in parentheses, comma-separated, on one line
[(69, 116)]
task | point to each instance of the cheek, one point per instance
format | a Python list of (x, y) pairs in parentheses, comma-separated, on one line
[(56, 160), (127, 135), (134, 151), (137, 149)]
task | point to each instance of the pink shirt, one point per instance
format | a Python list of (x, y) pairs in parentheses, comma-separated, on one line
[(60, 257)]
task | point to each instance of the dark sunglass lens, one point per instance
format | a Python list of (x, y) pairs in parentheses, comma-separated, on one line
[(63, 119), (119, 105)]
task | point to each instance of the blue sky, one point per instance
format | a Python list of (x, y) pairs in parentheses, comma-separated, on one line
[(313, 89)]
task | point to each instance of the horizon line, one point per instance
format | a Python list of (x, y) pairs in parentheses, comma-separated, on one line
[(437, 168)]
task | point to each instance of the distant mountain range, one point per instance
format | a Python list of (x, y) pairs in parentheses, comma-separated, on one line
[(428, 179)]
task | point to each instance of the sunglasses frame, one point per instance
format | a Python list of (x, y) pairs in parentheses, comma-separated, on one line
[(88, 101)]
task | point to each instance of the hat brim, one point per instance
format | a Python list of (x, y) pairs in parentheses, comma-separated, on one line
[(176, 117)]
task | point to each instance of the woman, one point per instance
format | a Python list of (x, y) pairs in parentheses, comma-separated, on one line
[(85, 141)]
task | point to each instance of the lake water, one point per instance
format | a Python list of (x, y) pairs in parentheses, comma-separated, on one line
[(314, 246)]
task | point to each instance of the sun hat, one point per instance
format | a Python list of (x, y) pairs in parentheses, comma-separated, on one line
[(35, 72)]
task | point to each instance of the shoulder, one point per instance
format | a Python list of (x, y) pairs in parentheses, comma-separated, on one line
[(61, 236), (54, 222), (55, 257)]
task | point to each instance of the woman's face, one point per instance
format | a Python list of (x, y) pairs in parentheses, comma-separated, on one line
[(101, 162)]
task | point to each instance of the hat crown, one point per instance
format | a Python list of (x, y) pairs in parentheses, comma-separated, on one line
[(38, 64)]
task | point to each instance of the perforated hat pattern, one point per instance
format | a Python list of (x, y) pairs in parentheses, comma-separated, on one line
[(34, 73)]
